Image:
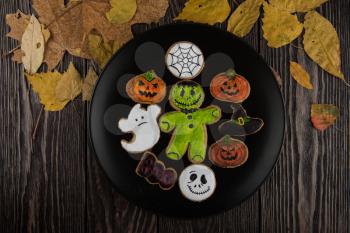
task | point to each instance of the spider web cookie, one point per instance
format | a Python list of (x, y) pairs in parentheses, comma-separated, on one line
[(184, 60)]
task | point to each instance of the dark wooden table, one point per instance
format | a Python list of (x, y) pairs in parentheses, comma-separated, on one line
[(54, 183)]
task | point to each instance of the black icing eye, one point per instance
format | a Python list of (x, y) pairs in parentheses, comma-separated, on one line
[(155, 85), (203, 179), (235, 85), (225, 83), (182, 93), (193, 177), (136, 119), (141, 83), (193, 92), (142, 117)]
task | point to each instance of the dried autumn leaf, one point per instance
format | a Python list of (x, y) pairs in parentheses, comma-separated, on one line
[(280, 27), (44, 84), (205, 11), (49, 85), (323, 115), (33, 46), (70, 85), (321, 43), (244, 17), (89, 84), (300, 75), (122, 11), (100, 51), (297, 5), (71, 24)]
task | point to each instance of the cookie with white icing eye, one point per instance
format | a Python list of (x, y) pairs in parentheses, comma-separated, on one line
[(184, 60), (143, 124), (197, 182)]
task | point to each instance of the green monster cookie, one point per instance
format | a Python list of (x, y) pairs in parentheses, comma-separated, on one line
[(189, 122)]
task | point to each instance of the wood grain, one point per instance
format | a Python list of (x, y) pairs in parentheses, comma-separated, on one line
[(54, 183)]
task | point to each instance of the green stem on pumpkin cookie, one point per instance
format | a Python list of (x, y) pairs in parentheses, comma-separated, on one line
[(231, 73), (227, 139), (149, 75)]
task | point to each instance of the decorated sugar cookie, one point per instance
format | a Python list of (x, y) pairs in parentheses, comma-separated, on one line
[(230, 87), (228, 152), (184, 60), (189, 123), (197, 182), (143, 124), (241, 124), (154, 171), (146, 88)]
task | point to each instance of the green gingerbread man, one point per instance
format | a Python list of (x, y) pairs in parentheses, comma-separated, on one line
[(189, 122)]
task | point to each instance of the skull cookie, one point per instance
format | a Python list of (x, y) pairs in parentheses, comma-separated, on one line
[(197, 182)]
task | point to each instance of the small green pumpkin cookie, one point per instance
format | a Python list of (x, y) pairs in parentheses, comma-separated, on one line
[(189, 123)]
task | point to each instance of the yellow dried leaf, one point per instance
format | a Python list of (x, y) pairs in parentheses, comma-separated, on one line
[(89, 84), (44, 84), (100, 51), (70, 85), (205, 11), (122, 11), (280, 27), (33, 45), (297, 5), (244, 17), (300, 75), (321, 43)]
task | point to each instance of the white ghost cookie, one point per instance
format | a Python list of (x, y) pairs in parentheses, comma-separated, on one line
[(197, 182), (143, 124), (184, 60)]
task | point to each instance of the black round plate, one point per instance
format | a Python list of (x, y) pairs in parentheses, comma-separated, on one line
[(221, 50)]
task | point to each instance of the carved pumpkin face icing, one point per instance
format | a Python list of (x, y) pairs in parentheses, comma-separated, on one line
[(228, 152), (230, 87), (186, 95), (146, 88)]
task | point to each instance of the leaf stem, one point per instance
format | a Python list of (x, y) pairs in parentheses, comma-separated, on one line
[(11, 51)]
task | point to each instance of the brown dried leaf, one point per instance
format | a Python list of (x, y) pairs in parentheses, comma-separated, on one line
[(89, 84), (300, 75), (18, 23)]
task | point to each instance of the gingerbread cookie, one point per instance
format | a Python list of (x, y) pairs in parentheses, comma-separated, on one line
[(143, 124), (241, 124), (154, 171), (146, 88), (197, 182), (230, 87), (184, 60), (228, 152), (189, 122)]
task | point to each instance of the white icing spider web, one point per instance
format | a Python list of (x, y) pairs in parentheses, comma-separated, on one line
[(186, 61)]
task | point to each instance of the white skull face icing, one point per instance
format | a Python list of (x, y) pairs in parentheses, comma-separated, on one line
[(143, 124), (184, 60), (197, 182)]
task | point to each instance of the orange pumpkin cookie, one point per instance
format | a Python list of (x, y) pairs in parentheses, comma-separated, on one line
[(228, 152), (230, 87), (146, 88)]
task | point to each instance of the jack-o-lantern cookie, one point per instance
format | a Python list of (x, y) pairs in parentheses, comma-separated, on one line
[(146, 88), (228, 152), (241, 124), (230, 87), (189, 123), (184, 60), (143, 124), (197, 182), (155, 172)]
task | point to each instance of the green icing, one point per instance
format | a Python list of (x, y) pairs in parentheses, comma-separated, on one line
[(190, 131)]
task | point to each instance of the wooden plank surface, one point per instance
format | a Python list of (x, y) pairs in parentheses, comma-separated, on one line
[(53, 183)]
